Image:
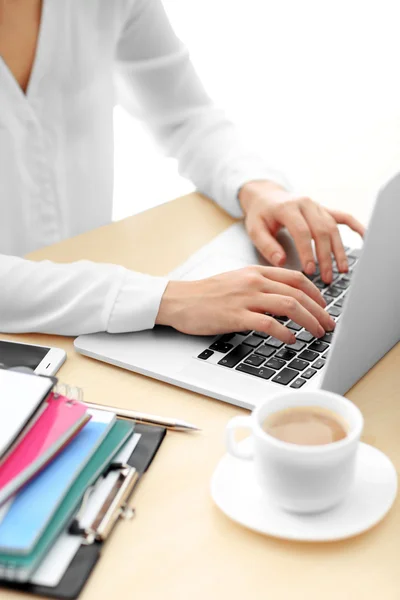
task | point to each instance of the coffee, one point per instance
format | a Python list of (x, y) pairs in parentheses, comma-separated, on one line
[(306, 426)]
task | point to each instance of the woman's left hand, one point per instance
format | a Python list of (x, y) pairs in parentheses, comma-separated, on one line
[(268, 207)]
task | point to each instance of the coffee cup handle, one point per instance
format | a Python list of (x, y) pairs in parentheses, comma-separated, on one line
[(231, 444)]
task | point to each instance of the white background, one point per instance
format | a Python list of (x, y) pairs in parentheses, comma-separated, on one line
[(315, 84)]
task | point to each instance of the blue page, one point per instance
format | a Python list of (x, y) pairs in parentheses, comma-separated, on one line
[(34, 506)]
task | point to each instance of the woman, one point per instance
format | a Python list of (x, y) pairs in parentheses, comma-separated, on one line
[(59, 61)]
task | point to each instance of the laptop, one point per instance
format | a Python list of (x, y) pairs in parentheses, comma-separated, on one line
[(244, 367)]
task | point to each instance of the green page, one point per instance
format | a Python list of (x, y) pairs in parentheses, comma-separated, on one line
[(20, 567)]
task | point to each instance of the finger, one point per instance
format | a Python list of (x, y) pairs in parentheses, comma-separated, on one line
[(295, 279), (276, 304), (301, 234), (269, 325), (324, 319), (339, 251), (343, 218), (320, 229), (268, 246)]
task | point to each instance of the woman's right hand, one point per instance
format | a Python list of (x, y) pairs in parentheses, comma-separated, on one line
[(239, 300)]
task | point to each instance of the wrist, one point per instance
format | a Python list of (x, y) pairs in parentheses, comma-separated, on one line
[(173, 302), (256, 189)]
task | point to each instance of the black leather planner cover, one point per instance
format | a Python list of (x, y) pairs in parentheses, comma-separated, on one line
[(86, 558)]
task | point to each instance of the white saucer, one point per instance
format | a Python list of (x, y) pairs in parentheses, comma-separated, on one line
[(237, 493)]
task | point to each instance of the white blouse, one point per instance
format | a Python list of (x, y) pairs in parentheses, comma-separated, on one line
[(56, 158)]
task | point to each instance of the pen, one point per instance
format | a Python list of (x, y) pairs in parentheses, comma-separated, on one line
[(173, 424)]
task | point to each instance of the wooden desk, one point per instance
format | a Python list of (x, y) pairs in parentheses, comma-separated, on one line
[(180, 546)]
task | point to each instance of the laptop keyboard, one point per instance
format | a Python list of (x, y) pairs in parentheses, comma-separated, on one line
[(259, 355)]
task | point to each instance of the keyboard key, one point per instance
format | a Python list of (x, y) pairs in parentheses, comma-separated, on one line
[(334, 291), (326, 354), (285, 376), (226, 337), (327, 337), (265, 351), (285, 354), (253, 341), (275, 363), (247, 369), (299, 365), (205, 354), (343, 283), (235, 356), (351, 260), (282, 319), (305, 336), (297, 346), (261, 334), (318, 346), (309, 373), (328, 299), (335, 311), (297, 383), (320, 284), (294, 326), (243, 332), (308, 355), (254, 360), (263, 372), (340, 302), (274, 342), (319, 363), (221, 347)]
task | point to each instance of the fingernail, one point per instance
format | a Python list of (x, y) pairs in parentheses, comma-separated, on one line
[(323, 302), (327, 276), (344, 266), (292, 339), (310, 268), (321, 331), (332, 323), (276, 259)]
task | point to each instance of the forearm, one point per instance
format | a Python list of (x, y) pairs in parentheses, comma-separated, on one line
[(76, 298), (211, 152), (158, 81)]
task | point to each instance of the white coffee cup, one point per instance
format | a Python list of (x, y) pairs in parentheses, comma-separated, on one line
[(302, 479)]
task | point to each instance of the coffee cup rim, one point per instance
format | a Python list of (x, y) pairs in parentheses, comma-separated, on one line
[(353, 435)]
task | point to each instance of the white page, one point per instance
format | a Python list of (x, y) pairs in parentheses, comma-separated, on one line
[(20, 396)]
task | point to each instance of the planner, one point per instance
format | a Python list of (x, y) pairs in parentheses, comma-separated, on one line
[(69, 583), (54, 566), (20, 396), (35, 505), (59, 422), (20, 567)]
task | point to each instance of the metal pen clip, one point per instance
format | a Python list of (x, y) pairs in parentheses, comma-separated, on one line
[(116, 505)]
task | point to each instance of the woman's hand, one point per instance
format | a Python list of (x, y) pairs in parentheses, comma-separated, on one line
[(268, 207), (238, 301)]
